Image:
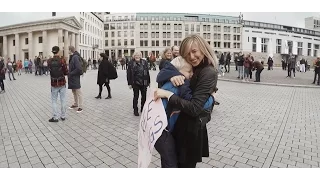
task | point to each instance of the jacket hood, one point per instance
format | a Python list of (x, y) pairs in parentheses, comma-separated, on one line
[(167, 72)]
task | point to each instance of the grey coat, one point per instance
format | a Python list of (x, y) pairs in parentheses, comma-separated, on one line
[(74, 71)]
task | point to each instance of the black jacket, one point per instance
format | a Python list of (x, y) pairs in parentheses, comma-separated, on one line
[(240, 60), (2, 70), (133, 73), (106, 71), (75, 70), (162, 62), (221, 60), (190, 132)]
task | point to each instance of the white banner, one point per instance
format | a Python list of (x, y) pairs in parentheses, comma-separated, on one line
[(152, 123)]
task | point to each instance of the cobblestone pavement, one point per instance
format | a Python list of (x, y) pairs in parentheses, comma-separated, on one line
[(255, 126), (278, 76)]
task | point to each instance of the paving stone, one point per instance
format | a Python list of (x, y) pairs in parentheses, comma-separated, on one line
[(242, 165)]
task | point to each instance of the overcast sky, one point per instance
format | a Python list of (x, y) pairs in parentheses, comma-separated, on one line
[(286, 18)]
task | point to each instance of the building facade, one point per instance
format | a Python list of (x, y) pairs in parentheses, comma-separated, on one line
[(27, 40), (312, 23), (153, 32), (278, 41), (37, 37)]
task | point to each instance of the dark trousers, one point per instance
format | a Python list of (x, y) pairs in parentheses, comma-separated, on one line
[(225, 67), (250, 73), (187, 165), (236, 66), (10, 72), (26, 70), (315, 77), (258, 73), (122, 67), (165, 146), (126, 66), (2, 84), (143, 90), (289, 72), (108, 88)]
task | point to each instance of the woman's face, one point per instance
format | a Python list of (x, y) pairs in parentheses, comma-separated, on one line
[(195, 56), (168, 54), (137, 57), (175, 51)]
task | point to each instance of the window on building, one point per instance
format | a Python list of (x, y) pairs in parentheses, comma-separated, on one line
[(180, 34), (26, 41), (145, 42), (153, 43), (112, 42), (186, 27), (14, 42), (141, 35), (125, 25), (254, 44), (180, 26), (153, 35), (198, 28), (40, 39), (131, 25), (164, 42), (164, 35), (157, 34), (145, 34), (125, 34), (309, 49), (279, 44), (106, 34), (168, 34), (164, 26), (157, 43), (157, 26), (112, 26), (53, 14), (316, 49), (125, 42), (141, 26), (112, 33), (192, 27), (106, 43), (131, 33), (145, 26), (119, 42), (264, 45), (168, 26), (132, 42), (152, 26), (300, 45)]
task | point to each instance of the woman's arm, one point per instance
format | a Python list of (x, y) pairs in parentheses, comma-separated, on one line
[(207, 81)]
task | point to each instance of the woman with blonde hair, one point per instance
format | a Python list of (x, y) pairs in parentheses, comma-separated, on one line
[(190, 131), (166, 56)]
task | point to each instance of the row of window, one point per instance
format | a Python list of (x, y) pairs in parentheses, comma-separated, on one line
[(156, 43), (119, 34), (264, 46), (280, 34), (26, 41), (91, 18), (114, 18), (112, 26), (187, 18), (89, 40)]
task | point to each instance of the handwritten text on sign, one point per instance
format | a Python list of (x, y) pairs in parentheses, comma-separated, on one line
[(152, 123)]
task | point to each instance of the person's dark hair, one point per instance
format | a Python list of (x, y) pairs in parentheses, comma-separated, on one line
[(104, 56)]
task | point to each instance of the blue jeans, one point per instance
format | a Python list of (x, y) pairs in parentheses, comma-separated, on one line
[(240, 70), (54, 96)]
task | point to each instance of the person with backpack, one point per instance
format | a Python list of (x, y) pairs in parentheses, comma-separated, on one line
[(75, 71), (106, 72), (138, 78), (58, 70)]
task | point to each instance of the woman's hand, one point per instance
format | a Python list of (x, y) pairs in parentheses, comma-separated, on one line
[(160, 93), (177, 80)]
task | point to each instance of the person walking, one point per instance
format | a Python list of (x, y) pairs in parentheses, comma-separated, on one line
[(316, 71), (2, 75), (10, 69), (106, 72), (19, 67), (240, 61), (227, 63), (221, 64)]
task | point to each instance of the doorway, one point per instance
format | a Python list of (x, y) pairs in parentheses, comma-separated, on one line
[(26, 55)]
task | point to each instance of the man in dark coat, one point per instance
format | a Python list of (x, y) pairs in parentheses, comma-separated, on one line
[(75, 72), (257, 65), (317, 71)]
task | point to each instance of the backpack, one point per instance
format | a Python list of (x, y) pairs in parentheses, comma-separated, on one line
[(84, 65), (56, 71)]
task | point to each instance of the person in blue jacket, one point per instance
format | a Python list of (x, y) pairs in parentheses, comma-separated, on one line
[(165, 145)]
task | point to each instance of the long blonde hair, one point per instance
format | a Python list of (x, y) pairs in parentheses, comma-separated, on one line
[(203, 46)]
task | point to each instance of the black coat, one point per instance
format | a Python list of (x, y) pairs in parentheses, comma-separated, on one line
[(2, 71), (106, 71), (75, 70), (190, 133), (162, 62), (131, 76)]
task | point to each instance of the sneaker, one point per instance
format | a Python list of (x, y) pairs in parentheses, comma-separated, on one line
[(53, 120), (79, 110), (222, 74), (63, 119), (72, 107)]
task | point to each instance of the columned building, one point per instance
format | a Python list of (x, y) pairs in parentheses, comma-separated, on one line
[(27, 40)]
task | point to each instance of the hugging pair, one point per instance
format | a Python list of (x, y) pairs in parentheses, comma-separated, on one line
[(166, 145)]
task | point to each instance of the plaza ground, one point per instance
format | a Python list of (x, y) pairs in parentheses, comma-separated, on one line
[(254, 126)]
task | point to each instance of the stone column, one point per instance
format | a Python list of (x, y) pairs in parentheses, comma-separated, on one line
[(60, 42), (45, 44), (73, 39), (66, 44), (30, 45), (17, 45), (5, 48), (77, 41), (122, 52)]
